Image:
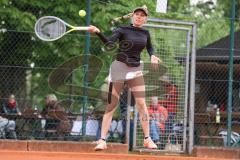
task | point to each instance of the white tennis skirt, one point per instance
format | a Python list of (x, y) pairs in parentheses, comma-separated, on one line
[(120, 72)]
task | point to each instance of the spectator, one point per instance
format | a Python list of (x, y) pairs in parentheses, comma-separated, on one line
[(169, 102), (7, 126), (11, 106), (56, 118), (158, 115)]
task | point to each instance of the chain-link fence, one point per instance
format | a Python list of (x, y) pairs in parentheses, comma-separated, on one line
[(212, 92), (31, 69), (173, 44)]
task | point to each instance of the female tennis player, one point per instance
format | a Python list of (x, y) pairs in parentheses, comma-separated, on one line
[(128, 68)]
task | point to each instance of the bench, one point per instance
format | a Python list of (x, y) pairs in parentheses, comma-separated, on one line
[(211, 140)]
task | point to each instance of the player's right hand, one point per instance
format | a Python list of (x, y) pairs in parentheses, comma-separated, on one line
[(93, 29)]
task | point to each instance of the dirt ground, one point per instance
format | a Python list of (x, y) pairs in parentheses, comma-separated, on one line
[(29, 155)]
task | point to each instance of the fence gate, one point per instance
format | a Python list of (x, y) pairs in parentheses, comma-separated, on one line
[(172, 84)]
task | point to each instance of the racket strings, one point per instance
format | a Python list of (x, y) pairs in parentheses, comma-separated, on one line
[(50, 28)]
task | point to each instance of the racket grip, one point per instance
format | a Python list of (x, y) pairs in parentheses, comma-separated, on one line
[(82, 28)]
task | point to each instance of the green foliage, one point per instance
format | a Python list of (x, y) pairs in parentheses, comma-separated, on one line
[(19, 45)]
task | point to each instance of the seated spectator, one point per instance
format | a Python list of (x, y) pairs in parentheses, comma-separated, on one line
[(158, 115), (169, 102), (56, 118), (7, 126), (10, 106)]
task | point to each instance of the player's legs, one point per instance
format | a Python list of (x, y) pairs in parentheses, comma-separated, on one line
[(138, 89), (107, 117), (111, 107)]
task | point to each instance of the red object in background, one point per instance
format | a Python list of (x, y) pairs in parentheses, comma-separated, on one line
[(170, 101), (163, 115), (222, 107), (12, 105)]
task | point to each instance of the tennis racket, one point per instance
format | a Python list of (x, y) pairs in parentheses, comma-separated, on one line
[(50, 28)]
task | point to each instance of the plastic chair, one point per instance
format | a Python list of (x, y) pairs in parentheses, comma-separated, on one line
[(235, 138)]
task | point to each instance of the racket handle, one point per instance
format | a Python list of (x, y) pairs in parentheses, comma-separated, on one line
[(82, 28)]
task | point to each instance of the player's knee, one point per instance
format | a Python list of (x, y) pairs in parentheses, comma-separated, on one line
[(141, 103), (111, 107)]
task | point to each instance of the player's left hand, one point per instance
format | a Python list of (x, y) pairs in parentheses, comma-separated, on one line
[(155, 61)]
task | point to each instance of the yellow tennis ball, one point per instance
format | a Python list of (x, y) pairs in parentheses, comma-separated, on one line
[(82, 13)]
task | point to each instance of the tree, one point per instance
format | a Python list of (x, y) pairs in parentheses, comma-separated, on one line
[(20, 49), (26, 56)]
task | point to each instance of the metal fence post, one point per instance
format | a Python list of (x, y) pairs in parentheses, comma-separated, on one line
[(230, 74), (86, 54)]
